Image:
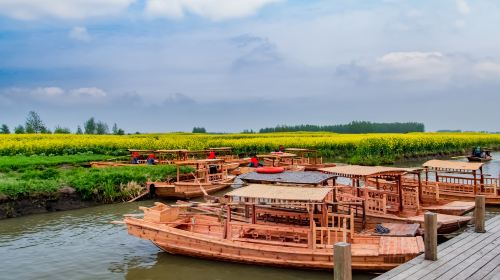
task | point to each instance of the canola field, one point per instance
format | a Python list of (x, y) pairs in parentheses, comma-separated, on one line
[(353, 148)]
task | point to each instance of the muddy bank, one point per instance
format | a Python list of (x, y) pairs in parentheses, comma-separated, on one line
[(65, 199)]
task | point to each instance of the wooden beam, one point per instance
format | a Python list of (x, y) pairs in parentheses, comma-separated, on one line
[(419, 178), (430, 241), (342, 261), (479, 214)]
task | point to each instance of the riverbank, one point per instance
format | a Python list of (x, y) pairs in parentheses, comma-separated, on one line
[(30, 185)]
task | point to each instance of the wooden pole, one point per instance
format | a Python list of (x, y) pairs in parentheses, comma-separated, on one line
[(479, 213), (481, 180), (312, 241), (430, 242), (342, 261), (254, 215), (419, 188), (475, 182), (400, 191)]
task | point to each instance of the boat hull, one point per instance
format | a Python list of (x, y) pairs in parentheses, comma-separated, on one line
[(369, 253), (186, 190), (479, 159)]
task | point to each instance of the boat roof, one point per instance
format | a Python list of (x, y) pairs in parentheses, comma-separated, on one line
[(362, 171), (305, 177), (281, 192), (277, 155), (452, 165), (172, 151), (220, 149), (200, 161), (300, 150), (141, 151)]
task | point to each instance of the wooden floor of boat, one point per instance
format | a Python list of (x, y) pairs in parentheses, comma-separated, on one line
[(452, 207), (468, 256), (399, 230), (441, 218)]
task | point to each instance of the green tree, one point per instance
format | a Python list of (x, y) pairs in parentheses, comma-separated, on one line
[(90, 126), (61, 130), (4, 129), (199, 130), (19, 129), (102, 128), (34, 123), (79, 130)]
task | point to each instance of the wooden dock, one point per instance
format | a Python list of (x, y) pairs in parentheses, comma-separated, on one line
[(470, 255)]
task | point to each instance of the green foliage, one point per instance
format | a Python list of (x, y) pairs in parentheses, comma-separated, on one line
[(19, 129), (34, 123), (199, 130), (90, 126), (11, 163), (352, 127), (101, 128), (62, 130), (4, 129)]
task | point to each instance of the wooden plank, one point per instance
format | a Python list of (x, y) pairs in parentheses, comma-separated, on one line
[(475, 264), (483, 246)]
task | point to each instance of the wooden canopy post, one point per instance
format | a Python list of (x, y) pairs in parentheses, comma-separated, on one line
[(377, 183), (178, 173), (254, 215), (312, 239), (475, 181), (419, 178), (400, 191), (228, 221), (324, 215), (426, 176), (481, 179), (365, 192)]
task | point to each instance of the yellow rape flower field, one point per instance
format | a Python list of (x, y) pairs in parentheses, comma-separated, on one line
[(358, 148)]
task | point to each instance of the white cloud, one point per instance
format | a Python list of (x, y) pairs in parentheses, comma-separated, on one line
[(67, 9), (488, 70), (55, 95), (463, 7), (80, 34), (414, 66), (212, 9)]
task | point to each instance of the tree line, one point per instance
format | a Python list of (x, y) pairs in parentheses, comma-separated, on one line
[(34, 124), (352, 127)]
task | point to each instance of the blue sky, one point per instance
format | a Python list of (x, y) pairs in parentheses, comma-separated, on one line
[(229, 65)]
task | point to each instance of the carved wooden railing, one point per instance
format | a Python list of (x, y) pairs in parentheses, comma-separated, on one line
[(338, 224)]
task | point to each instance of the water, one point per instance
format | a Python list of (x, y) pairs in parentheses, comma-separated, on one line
[(83, 244)]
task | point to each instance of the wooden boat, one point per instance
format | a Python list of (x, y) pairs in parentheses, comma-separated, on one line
[(455, 180), (479, 159), (305, 240), (309, 178), (210, 176), (389, 203), (308, 158), (483, 156), (162, 157)]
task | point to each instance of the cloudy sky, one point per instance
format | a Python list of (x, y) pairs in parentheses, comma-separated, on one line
[(229, 65)]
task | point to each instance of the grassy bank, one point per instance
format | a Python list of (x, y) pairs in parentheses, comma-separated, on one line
[(352, 148), (32, 177)]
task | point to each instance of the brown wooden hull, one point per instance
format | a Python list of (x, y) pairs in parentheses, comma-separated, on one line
[(493, 200), (479, 159), (187, 190), (446, 223), (368, 252)]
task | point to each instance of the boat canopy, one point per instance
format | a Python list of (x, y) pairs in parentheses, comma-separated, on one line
[(287, 177), (446, 165), (357, 171), (281, 192)]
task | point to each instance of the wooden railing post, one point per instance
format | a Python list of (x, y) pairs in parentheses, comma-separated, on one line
[(479, 213), (430, 241), (342, 261)]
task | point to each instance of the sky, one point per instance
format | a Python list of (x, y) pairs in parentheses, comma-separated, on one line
[(230, 65)]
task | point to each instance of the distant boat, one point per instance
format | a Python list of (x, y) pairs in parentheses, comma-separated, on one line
[(485, 155)]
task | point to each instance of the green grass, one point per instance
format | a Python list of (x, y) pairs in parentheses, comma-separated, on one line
[(36, 176), (9, 163)]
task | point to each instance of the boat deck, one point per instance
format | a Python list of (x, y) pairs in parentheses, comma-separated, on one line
[(452, 208), (399, 230), (468, 256)]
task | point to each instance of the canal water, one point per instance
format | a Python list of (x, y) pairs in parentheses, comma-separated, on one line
[(83, 244)]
